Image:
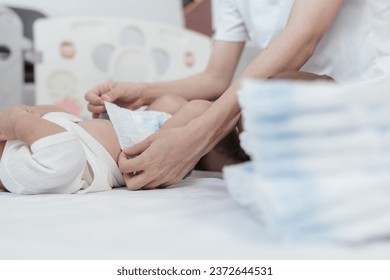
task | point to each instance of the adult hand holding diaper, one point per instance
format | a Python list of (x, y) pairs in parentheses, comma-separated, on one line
[(134, 126)]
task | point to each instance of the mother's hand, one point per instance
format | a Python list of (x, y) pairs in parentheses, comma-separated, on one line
[(127, 95), (161, 160)]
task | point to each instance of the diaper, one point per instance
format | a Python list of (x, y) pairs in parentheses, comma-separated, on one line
[(134, 126)]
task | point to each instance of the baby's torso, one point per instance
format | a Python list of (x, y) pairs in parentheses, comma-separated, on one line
[(104, 133)]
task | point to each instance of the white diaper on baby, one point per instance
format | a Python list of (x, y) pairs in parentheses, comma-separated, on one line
[(134, 126)]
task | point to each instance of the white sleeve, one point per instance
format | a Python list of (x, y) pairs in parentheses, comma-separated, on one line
[(230, 24), (61, 115), (55, 164)]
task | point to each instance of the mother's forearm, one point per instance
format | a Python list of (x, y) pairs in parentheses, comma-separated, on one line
[(213, 125), (289, 51), (204, 85)]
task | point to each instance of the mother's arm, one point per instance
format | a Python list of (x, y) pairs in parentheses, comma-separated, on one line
[(167, 156), (208, 84), (289, 51)]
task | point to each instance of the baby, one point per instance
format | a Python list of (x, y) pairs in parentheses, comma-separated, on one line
[(43, 149)]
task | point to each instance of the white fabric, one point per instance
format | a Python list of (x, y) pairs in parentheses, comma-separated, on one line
[(320, 159), (356, 47), (194, 220), (55, 162), (68, 162), (131, 126)]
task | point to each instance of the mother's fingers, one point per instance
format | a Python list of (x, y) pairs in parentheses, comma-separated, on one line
[(136, 182), (144, 181), (93, 96), (162, 160), (139, 148), (96, 110), (155, 184), (2, 137), (131, 165)]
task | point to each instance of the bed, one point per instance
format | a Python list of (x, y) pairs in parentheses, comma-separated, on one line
[(195, 219)]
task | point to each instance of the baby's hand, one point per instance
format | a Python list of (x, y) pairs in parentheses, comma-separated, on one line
[(8, 119)]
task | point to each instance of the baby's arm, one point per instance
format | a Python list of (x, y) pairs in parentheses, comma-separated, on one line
[(25, 123), (42, 110)]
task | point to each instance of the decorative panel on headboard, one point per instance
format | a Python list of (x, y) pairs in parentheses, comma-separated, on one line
[(79, 53)]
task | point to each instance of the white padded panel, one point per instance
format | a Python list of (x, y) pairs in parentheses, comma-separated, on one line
[(11, 62), (79, 53), (165, 11)]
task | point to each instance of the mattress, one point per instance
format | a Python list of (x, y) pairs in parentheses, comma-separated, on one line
[(195, 219)]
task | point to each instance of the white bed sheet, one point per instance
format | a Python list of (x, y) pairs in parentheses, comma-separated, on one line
[(196, 219)]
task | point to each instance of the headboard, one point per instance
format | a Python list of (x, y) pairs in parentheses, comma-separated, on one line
[(79, 53)]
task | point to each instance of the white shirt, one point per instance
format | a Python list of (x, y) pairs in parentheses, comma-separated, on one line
[(356, 46), (69, 162)]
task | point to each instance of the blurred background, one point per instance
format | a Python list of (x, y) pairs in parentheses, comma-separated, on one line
[(52, 51)]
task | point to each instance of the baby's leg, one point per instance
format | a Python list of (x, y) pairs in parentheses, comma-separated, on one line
[(168, 103), (300, 75), (187, 112)]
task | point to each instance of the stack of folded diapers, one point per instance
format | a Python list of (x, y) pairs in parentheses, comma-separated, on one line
[(320, 159)]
